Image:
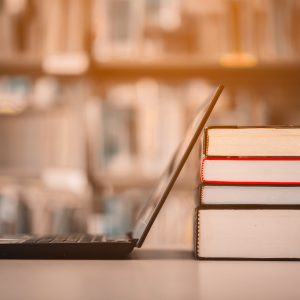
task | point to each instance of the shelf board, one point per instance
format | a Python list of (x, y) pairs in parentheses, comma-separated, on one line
[(21, 65), (280, 73), (286, 73), (30, 111), (29, 66)]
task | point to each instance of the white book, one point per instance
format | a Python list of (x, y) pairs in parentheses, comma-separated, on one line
[(251, 171), (253, 233), (252, 141), (257, 195)]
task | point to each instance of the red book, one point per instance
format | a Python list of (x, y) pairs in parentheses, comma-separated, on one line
[(255, 171)]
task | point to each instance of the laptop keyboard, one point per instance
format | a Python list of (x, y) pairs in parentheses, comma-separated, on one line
[(71, 238)]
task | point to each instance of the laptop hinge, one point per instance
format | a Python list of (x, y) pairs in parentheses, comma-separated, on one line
[(129, 235)]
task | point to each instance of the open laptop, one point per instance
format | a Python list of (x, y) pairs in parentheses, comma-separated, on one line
[(87, 246)]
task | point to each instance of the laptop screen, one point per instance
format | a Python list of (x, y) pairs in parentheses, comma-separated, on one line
[(149, 212)]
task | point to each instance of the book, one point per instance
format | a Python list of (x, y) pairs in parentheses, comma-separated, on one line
[(157, 135), (118, 28), (65, 50), (252, 141), (248, 234), (256, 171), (117, 152), (248, 194)]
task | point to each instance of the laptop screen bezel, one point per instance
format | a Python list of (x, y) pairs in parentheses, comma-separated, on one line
[(141, 236)]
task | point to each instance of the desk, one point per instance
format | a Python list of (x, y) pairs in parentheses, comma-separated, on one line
[(149, 275)]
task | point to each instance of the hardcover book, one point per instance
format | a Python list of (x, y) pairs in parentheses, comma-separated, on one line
[(248, 194), (252, 141), (256, 171), (252, 233)]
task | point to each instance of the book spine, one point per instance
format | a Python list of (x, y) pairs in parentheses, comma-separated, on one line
[(202, 156), (196, 232), (206, 141)]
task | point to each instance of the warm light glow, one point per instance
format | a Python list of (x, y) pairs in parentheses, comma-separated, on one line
[(238, 60), (10, 104)]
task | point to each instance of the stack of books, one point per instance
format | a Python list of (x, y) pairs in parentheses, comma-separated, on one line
[(249, 194)]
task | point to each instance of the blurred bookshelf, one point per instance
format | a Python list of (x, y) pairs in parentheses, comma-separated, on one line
[(284, 73), (95, 96)]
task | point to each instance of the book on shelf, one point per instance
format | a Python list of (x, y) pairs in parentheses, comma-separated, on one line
[(41, 137), (117, 134), (65, 49), (20, 26), (117, 27), (26, 209)]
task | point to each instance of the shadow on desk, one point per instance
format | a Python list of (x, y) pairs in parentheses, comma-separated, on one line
[(153, 254)]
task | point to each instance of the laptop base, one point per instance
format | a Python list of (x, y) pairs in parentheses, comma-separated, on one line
[(112, 249)]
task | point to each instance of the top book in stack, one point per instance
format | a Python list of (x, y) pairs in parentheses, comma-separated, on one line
[(252, 141)]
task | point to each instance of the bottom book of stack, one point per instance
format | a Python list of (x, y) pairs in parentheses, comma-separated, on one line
[(247, 232)]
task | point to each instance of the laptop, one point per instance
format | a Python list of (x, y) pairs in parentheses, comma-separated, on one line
[(85, 246)]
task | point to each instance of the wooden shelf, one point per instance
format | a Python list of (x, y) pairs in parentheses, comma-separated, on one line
[(22, 65), (29, 66), (30, 111), (285, 73), (275, 73)]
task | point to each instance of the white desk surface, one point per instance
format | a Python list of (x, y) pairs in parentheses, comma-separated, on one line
[(149, 275)]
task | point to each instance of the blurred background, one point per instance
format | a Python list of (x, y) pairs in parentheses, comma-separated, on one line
[(95, 95)]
